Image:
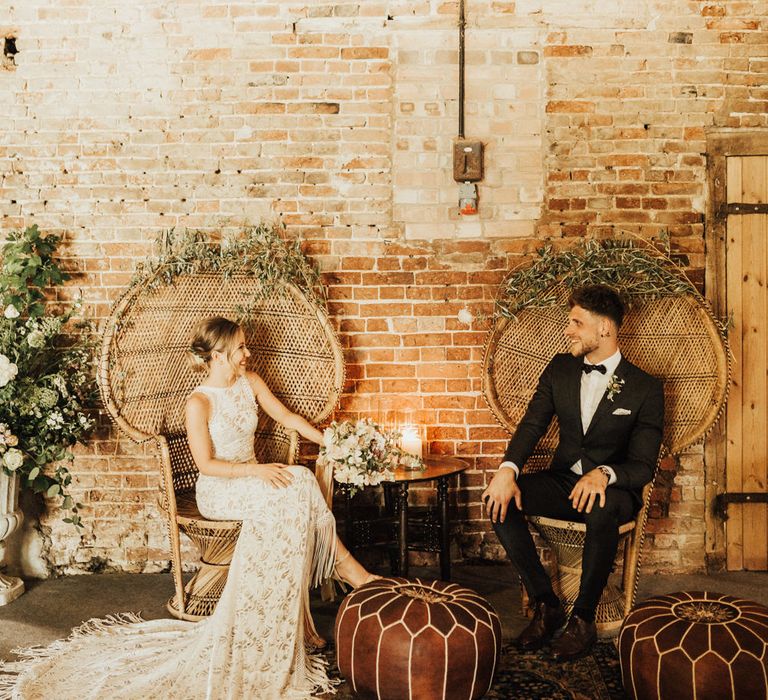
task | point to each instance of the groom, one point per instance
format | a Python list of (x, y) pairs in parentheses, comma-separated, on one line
[(610, 415)]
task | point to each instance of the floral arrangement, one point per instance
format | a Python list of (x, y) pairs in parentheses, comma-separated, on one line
[(363, 454), (46, 370), (614, 386)]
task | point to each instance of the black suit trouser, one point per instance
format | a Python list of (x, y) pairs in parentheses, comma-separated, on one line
[(546, 494)]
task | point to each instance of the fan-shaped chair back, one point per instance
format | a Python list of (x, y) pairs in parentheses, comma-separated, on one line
[(673, 338), (145, 378), (145, 374)]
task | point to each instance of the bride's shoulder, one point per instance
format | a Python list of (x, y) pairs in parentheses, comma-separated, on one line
[(255, 381), (198, 400)]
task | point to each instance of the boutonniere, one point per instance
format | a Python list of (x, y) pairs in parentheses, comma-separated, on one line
[(614, 386)]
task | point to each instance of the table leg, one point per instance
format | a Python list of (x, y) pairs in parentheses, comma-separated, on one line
[(445, 534), (402, 511)]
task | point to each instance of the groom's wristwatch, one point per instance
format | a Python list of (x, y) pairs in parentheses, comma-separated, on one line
[(607, 472)]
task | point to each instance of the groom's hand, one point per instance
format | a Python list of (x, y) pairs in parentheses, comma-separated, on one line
[(588, 489), (502, 489)]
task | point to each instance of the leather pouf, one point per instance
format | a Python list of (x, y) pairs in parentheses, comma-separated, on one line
[(706, 646), (407, 639)]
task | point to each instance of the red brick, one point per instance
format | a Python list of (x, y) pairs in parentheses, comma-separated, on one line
[(572, 106), (432, 386), (713, 11), (392, 292), (389, 370), (445, 433), (622, 188), (376, 325), (567, 51), (265, 108), (622, 160), (441, 369), (365, 293), (386, 310), (365, 340), (209, 55), (365, 53), (382, 278), (313, 52), (459, 386)]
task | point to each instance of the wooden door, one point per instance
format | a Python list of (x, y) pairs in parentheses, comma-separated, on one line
[(747, 412)]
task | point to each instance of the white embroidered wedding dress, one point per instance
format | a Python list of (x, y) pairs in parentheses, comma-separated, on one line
[(252, 646)]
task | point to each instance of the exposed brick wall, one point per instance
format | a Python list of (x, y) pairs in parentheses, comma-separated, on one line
[(124, 119)]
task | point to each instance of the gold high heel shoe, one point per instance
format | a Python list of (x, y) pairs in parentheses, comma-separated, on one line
[(339, 576)]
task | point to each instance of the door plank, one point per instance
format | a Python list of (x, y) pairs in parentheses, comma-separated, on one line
[(754, 393), (754, 390), (733, 454)]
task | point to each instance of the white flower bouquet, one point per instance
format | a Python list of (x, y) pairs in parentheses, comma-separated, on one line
[(10, 457), (46, 370), (362, 453)]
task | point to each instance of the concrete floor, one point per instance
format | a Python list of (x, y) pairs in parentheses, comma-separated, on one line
[(49, 609)]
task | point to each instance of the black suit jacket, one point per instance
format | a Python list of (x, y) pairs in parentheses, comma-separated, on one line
[(624, 434)]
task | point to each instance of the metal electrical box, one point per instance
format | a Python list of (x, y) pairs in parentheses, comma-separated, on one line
[(467, 160)]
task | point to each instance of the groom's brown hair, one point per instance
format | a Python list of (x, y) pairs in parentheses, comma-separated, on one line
[(600, 299)]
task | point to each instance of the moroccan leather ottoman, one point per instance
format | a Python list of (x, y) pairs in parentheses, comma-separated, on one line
[(407, 639), (706, 646)]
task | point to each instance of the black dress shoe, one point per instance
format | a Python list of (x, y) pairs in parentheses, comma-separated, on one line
[(546, 621), (576, 641)]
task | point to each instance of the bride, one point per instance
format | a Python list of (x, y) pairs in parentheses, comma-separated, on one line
[(253, 645)]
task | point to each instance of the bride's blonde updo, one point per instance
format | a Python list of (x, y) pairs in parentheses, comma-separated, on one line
[(211, 334)]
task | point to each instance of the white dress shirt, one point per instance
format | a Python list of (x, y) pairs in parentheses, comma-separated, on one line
[(593, 387)]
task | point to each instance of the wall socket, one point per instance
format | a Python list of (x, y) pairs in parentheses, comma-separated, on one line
[(467, 160)]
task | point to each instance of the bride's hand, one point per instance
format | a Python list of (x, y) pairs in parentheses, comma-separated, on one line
[(273, 473)]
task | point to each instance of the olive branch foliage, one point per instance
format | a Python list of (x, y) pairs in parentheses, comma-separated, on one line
[(261, 251), (637, 273)]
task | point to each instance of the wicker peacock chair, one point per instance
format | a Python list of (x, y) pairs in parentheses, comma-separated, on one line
[(145, 378), (674, 338)]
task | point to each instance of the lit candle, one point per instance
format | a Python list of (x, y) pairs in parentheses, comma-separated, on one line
[(411, 441)]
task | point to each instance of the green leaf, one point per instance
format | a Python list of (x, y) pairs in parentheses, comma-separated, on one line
[(53, 491)]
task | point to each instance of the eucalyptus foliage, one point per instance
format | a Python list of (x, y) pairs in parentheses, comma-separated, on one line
[(47, 378), (637, 273), (259, 251)]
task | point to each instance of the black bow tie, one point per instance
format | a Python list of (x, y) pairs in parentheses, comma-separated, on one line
[(589, 368)]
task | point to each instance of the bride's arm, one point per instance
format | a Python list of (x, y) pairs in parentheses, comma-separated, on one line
[(277, 411), (196, 413)]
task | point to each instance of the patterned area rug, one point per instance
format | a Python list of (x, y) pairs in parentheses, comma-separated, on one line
[(534, 676)]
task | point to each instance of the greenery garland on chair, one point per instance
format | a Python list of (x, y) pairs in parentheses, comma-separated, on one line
[(260, 251), (638, 274)]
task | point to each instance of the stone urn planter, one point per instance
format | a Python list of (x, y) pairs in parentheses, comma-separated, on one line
[(10, 520)]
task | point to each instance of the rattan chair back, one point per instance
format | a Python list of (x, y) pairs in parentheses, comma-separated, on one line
[(145, 374), (145, 377), (673, 338)]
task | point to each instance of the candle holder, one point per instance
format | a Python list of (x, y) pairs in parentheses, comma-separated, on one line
[(411, 443)]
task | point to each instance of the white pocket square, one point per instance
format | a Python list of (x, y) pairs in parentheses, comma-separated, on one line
[(622, 412)]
